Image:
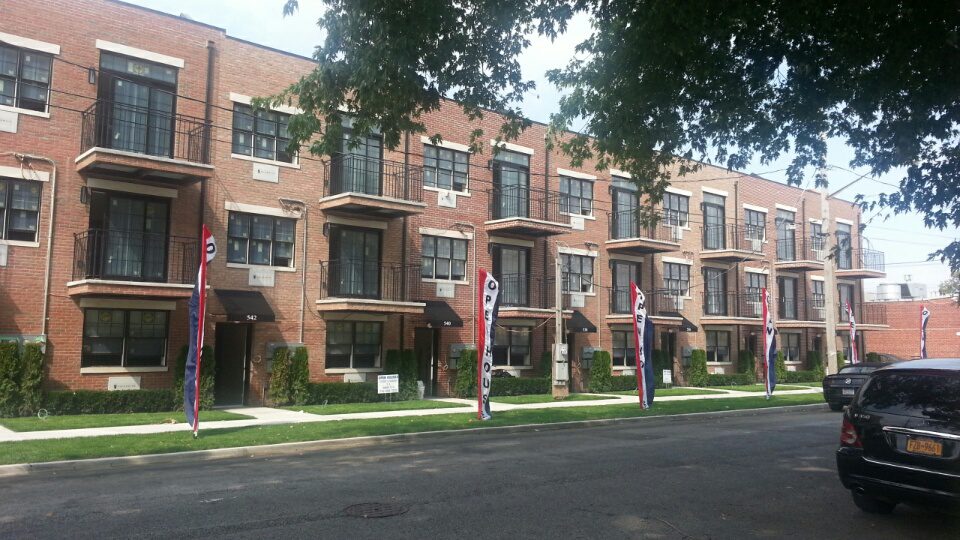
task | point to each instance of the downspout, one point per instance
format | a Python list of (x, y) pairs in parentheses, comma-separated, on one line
[(208, 123), (546, 244), (303, 276), (403, 238)]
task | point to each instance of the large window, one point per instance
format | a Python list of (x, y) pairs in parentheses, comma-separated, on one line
[(577, 273), (788, 297), (790, 346), (444, 258), (124, 338), (676, 278), (138, 107), (786, 237), (718, 346), (444, 168), (576, 196), (846, 297), (262, 240), (511, 182), (844, 247), (624, 349), (715, 291), (353, 344), (714, 226), (624, 272), (19, 210), (756, 282), (756, 223), (25, 78), (819, 301), (511, 346), (262, 134), (676, 209)]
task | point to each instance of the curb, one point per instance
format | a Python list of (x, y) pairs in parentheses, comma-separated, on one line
[(295, 448)]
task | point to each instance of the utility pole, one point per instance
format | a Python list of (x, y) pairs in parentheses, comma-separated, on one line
[(559, 391), (830, 309)]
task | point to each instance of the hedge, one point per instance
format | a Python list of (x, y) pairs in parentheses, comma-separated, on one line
[(781, 367), (340, 392), (746, 362), (800, 376), (601, 372), (519, 386), (404, 364), (21, 374), (104, 402), (661, 362), (31, 396), (299, 375), (697, 373), (466, 383), (280, 378), (622, 383), (732, 379), (9, 378), (208, 368)]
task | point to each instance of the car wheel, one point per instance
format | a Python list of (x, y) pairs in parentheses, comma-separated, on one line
[(872, 505), (834, 406)]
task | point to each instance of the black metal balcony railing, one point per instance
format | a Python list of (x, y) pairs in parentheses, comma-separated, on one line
[(366, 280), (871, 259), (813, 248), (134, 256), (727, 236), (520, 290), (143, 130), (660, 302), (865, 313), (350, 173), (522, 202), (726, 304), (630, 224)]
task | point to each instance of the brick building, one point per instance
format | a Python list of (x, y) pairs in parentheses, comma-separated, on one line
[(145, 120), (902, 336)]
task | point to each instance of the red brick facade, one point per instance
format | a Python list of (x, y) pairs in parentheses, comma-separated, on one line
[(241, 69), (902, 338)]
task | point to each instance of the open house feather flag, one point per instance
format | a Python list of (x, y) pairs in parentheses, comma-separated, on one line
[(643, 345), (488, 300), (924, 317), (198, 309), (769, 346), (854, 357)]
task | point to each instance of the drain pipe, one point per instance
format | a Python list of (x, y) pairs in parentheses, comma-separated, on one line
[(473, 303), (296, 205)]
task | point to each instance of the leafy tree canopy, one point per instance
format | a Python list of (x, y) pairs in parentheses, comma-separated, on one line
[(659, 83), (950, 287)]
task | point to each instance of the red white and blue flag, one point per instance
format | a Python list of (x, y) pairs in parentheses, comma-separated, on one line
[(854, 357), (643, 345), (489, 305), (924, 317), (769, 346), (198, 310)]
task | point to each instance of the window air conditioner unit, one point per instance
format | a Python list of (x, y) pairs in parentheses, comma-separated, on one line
[(756, 244), (820, 254), (676, 302), (676, 233), (820, 313), (755, 308)]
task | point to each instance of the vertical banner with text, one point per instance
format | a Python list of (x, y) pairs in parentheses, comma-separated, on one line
[(198, 309), (769, 345), (854, 355), (643, 345), (488, 305), (924, 317)]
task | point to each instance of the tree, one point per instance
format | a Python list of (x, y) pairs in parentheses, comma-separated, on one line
[(951, 287), (662, 83)]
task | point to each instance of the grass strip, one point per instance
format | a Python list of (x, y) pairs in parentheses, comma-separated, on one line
[(161, 443), (80, 421), (347, 408), (669, 392), (545, 398), (759, 387)]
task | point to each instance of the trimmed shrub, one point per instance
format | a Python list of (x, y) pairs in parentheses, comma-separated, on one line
[(781, 367), (816, 365), (799, 377), (103, 402), (661, 362), (10, 378), (466, 383), (622, 383), (697, 372), (31, 397), (299, 376), (208, 369), (733, 379), (601, 372), (340, 392), (281, 382), (518, 386), (746, 362)]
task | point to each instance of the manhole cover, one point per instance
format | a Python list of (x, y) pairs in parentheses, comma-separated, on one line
[(374, 510)]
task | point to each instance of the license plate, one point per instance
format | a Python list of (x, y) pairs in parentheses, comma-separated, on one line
[(926, 447), (848, 391)]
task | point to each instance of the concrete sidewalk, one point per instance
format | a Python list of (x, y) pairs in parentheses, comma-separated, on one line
[(265, 416)]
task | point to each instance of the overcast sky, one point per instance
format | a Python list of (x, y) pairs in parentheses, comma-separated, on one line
[(903, 238)]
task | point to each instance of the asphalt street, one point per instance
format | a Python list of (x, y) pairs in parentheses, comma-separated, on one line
[(764, 475)]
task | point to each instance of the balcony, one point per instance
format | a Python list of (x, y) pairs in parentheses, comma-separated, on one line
[(860, 263), (525, 211), (368, 187), (629, 234), (108, 262), (794, 313), (732, 308), (663, 306), (801, 253), (730, 243), (368, 287), (139, 143), (869, 315), (524, 296)]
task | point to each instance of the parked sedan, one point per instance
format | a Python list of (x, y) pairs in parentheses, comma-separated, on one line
[(900, 438), (839, 388)]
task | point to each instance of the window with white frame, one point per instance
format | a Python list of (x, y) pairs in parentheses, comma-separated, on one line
[(576, 196), (756, 224), (756, 282), (443, 258), (124, 338), (262, 134), (511, 346), (624, 349), (676, 209), (25, 78), (260, 240), (577, 273), (790, 347), (445, 168), (353, 344), (19, 209), (718, 346), (676, 278)]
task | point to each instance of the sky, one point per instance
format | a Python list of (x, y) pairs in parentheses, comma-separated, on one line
[(904, 239)]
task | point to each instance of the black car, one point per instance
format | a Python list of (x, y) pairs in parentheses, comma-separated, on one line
[(900, 439), (839, 388)]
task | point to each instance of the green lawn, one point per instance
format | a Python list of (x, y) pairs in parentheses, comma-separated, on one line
[(759, 387), (161, 443), (545, 398), (668, 392), (32, 423), (347, 408)]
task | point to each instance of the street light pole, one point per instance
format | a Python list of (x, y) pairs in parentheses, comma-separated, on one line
[(559, 392)]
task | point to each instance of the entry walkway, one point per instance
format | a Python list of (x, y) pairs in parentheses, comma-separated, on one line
[(265, 416)]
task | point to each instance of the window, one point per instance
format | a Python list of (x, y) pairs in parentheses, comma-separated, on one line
[(714, 229), (353, 344), (819, 301), (262, 240), (577, 273), (19, 210), (931, 395), (755, 285), (624, 350), (790, 347), (676, 278), (715, 290), (788, 297), (576, 196), (510, 266), (718, 346), (444, 168), (756, 223), (676, 209), (818, 242), (511, 182), (844, 247), (25, 78), (624, 272), (846, 297), (124, 338), (511, 346), (444, 258), (786, 237), (262, 134)]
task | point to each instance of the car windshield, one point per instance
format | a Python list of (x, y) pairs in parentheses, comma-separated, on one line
[(853, 370), (933, 395)]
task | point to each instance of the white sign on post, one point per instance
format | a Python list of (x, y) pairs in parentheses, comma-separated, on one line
[(667, 376), (388, 384)]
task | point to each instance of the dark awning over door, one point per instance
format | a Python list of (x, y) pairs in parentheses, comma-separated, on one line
[(440, 315), (579, 323), (245, 306)]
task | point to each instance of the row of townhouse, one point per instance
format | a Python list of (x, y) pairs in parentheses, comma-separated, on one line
[(146, 121)]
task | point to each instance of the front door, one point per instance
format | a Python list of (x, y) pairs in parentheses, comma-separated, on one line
[(232, 363), (426, 352)]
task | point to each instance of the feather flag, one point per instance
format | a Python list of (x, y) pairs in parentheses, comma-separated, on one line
[(489, 305), (198, 309), (643, 345), (769, 346), (924, 317), (854, 357)]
